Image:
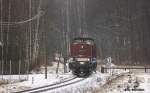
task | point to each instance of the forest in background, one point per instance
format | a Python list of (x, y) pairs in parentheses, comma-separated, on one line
[(31, 31)]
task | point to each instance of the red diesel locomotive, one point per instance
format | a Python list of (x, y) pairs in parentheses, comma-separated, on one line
[(83, 56)]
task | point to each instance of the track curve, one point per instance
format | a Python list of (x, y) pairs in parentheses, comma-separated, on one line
[(52, 86)]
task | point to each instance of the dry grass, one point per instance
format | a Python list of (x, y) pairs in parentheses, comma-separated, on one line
[(107, 85)]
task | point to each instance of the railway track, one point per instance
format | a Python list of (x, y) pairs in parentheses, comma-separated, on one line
[(53, 86)]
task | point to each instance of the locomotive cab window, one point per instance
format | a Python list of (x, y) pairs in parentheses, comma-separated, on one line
[(77, 41), (89, 42), (83, 41)]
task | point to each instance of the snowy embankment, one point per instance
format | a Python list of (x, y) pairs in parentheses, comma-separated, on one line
[(129, 83), (88, 85), (31, 81), (85, 86)]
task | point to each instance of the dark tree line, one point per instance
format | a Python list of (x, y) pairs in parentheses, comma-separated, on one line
[(120, 28)]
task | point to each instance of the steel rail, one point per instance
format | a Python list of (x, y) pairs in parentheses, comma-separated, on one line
[(30, 90), (56, 87)]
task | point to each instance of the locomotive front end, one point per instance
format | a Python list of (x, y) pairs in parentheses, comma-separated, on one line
[(83, 57)]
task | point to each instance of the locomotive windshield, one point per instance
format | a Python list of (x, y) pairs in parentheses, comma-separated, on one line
[(89, 42), (77, 41), (83, 41)]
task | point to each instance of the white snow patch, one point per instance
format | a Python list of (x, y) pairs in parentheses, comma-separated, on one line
[(36, 80)]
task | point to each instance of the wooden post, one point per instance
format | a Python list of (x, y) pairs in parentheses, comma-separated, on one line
[(145, 70), (57, 67), (10, 69), (46, 54), (19, 68), (65, 59), (45, 66)]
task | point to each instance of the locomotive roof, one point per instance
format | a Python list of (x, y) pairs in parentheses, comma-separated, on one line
[(81, 38)]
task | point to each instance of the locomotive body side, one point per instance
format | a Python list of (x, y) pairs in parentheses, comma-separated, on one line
[(83, 55)]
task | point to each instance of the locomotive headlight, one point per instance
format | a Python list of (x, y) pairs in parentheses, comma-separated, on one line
[(82, 62), (70, 60), (88, 59), (82, 59)]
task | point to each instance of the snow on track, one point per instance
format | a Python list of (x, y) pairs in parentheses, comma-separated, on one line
[(51, 86), (33, 81), (87, 85)]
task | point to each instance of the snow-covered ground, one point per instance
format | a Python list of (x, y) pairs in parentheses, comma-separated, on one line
[(13, 83), (36, 80), (128, 84), (114, 81)]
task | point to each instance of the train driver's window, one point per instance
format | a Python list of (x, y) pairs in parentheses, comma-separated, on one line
[(77, 41), (89, 42)]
